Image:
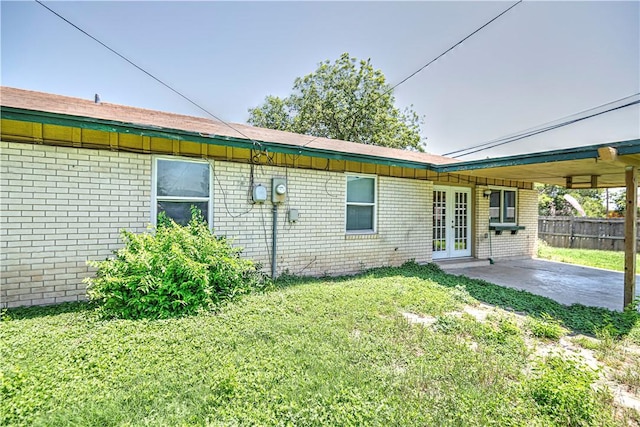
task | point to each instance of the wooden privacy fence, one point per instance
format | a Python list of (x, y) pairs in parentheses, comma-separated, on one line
[(583, 233)]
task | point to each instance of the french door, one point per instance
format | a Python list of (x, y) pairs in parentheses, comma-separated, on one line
[(451, 222)]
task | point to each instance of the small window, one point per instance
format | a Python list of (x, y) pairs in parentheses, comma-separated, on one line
[(502, 207), (509, 210), (179, 185), (361, 204), (494, 205)]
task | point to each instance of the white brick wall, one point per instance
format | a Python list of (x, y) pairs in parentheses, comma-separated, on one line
[(317, 244), (507, 245), (61, 206)]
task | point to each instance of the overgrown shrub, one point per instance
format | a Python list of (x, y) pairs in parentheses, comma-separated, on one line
[(173, 271)]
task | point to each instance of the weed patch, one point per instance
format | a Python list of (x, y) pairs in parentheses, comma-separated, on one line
[(562, 391), (587, 343), (546, 327), (312, 352), (577, 318)]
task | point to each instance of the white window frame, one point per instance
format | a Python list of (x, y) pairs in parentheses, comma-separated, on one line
[(154, 188), (374, 204), (502, 191)]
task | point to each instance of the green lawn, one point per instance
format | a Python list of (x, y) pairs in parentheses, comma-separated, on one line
[(312, 352), (608, 260)]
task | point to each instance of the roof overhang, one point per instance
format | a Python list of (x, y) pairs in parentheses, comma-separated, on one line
[(19, 114), (594, 166)]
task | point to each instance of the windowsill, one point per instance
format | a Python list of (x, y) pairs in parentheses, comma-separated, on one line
[(499, 228), (359, 235)]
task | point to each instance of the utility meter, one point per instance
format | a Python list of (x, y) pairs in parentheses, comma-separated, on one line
[(278, 190), (259, 193)]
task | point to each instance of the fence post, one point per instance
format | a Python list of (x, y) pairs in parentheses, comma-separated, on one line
[(572, 228)]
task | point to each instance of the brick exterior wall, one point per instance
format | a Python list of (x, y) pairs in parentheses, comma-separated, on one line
[(507, 245), (317, 243), (62, 206)]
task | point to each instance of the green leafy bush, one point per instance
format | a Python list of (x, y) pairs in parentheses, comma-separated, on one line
[(175, 271)]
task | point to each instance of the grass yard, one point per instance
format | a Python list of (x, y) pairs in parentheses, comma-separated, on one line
[(317, 352), (608, 260)]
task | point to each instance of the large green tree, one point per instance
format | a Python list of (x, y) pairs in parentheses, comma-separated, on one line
[(618, 197), (347, 100), (551, 201)]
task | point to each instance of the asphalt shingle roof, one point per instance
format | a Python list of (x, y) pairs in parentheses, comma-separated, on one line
[(44, 102)]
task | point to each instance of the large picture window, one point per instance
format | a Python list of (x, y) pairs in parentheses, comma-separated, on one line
[(361, 204), (178, 185), (502, 206)]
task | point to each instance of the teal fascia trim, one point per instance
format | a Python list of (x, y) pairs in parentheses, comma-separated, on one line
[(632, 147), (181, 135), (578, 153)]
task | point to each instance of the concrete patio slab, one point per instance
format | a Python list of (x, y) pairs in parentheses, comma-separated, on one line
[(564, 283)]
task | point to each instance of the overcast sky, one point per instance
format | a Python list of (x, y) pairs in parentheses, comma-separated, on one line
[(539, 62)]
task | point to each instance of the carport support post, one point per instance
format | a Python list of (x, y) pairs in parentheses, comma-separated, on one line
[(630, 233)]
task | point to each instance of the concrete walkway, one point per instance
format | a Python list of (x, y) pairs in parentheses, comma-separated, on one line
[(565, 283)]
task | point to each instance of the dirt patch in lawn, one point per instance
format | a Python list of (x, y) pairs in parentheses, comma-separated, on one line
[(616, 361)]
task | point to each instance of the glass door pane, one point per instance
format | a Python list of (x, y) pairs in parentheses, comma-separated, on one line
[(451, 222), (461, 245), (439, 223)]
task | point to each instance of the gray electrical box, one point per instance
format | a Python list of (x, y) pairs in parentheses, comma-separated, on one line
[(259, 193), (279, 190), (293, 215)]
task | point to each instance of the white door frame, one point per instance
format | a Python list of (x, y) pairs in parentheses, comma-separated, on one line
[(451, 222)]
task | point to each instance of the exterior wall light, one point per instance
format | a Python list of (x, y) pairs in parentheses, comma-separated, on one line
[(486, 193)]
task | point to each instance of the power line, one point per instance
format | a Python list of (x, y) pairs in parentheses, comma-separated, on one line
[(386, 92), (185, 97), (453, 47), (539, 127), (177, 92), (552, 128), (556, 126)]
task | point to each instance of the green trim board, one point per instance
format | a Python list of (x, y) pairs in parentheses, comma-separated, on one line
[(578, 153), (500, 228), (182, 135), (629, 147)]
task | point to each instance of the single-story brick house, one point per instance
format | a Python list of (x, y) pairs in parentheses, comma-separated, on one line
[(75, 172)]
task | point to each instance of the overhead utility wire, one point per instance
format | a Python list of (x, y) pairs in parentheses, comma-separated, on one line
[(538, 127), (452, 47), (147, 72), (437, 57), (549, 128)]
